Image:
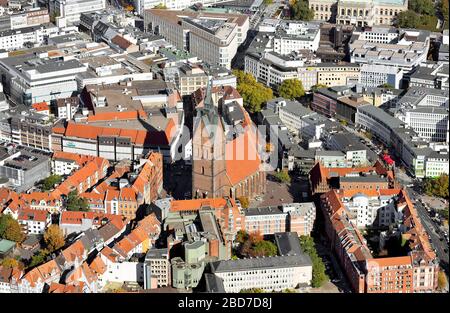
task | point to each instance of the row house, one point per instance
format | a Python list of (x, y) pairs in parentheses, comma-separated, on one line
[(34, 221)]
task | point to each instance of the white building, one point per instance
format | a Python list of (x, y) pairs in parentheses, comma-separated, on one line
[(430, 123), (212, 37), (269, 273), (34, 221), (377, 122), (14, 39), (36, 78), (293, 36), (142, 5), (157, 266), (71, 10), (271, 68), (402, 48), (375, 75), (425, 110), (358, 12), (437, 164), (367, 209)]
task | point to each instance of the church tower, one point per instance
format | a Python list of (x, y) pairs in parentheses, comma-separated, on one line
[(208, 150)]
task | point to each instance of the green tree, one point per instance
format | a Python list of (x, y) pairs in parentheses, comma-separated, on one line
[(265, 248), (241, 236), (267, 2), (10, 229), (300, 11), (76, 203), (253, 93), (54, 238), (50, 182), (317, 87), (437, 187), (283, 176), (443, 8), (160, 6), (252, 290), (291, 89), (425, 7), (11, 263), (38, 258), (408, 19), (387, 86), (319, 277)]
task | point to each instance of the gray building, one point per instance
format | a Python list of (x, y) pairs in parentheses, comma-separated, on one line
[(24, 166)]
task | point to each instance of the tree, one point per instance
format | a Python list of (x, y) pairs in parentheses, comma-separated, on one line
[(252, 290), (317, 87), (38, 258), (160, 6), (408, 19), (301, 11), (244, 202), (10, 229), (283, 176), (437, 186), (76, 203), (291, 89), (443, 8), (11, 263), (442, 280), (387, 86), (318, 273), (255, 237), (49, 182), (425, 7), (267, 2), (54, 238), (253, 93), (265, 248), (241, 236)]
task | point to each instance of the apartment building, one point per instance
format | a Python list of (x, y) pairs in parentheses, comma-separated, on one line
[(414, 272), (34, 221), (157, 267), (29, 17), (31, 129), (213, 37), (293, 217), (14, 39)]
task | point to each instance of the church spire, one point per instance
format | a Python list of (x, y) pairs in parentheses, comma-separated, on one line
[(208, 102)]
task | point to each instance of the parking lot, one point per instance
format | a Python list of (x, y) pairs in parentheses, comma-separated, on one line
[(278, 193)]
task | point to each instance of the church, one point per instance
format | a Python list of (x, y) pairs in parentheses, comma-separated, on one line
[(225, 149)]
